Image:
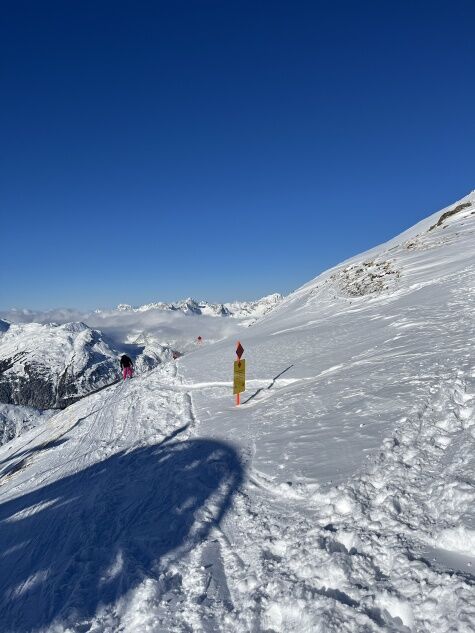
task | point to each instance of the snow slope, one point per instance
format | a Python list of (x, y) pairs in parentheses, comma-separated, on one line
[(338, 498)]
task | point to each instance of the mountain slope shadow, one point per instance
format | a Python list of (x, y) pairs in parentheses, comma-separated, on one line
[(85, 540)]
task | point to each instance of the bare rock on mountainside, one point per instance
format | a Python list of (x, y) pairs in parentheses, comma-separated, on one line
[(450, 213), (430, 239), (366, 278)]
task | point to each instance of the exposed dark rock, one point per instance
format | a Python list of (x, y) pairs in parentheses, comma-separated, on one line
[(448, 214)]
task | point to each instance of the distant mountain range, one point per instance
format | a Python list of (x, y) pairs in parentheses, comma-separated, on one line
[(236, 309)]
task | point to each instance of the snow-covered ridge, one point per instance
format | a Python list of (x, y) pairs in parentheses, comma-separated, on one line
[(360, 270), (235, 309)]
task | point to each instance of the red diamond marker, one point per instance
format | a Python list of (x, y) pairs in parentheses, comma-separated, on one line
[(239, 350)]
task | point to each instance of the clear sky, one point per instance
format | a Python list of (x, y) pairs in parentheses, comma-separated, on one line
[(221, 149)]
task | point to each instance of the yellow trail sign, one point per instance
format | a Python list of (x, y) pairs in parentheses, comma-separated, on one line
[(239, 376)]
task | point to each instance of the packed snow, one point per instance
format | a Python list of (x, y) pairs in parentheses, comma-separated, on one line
[(338, 498)]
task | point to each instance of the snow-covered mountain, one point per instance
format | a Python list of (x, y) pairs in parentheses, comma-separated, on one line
[(236, 309), (338, 498), (50, 366)]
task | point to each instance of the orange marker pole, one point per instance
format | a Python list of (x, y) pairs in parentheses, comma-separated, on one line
[(238, 395)]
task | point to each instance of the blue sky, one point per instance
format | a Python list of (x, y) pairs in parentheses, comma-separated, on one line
[(221, 149)]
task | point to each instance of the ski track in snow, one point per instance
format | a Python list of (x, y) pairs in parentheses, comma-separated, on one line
[(88, 441), (339, 498)]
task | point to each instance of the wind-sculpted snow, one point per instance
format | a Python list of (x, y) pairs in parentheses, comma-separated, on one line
[(338, 498)]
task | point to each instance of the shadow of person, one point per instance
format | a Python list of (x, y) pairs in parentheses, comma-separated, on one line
[(83, 541)]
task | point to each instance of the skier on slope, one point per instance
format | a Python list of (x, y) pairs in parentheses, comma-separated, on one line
[(127, 366)]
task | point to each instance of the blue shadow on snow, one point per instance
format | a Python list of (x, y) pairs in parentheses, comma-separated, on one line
[(83, 541)]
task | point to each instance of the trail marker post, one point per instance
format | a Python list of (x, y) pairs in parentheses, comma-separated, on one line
[(239, 374)]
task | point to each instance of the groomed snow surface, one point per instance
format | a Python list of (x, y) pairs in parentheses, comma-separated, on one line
[(339, 497)]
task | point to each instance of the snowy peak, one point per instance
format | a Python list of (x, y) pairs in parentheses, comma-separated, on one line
[(190, 306), (254, 309)]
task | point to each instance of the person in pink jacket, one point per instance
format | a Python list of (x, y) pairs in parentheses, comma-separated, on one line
[(127, 367)]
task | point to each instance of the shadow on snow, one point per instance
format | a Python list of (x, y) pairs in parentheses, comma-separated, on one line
[(83, 541)]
